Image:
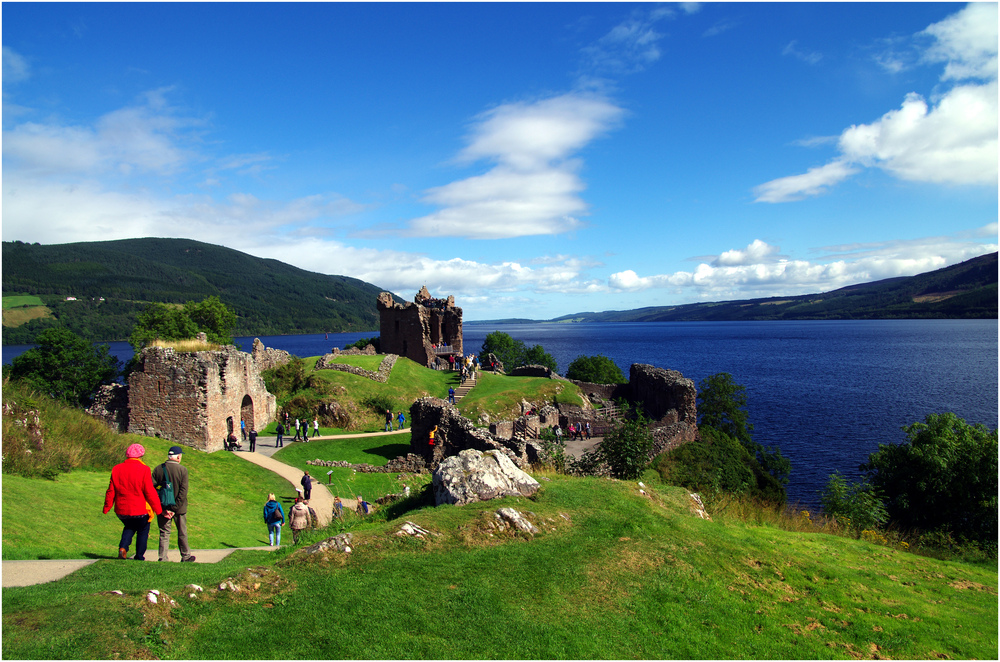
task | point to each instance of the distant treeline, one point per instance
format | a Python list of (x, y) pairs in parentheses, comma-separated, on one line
[(269, 297)]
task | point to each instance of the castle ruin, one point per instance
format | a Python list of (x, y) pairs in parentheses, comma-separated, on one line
[(425, 330)]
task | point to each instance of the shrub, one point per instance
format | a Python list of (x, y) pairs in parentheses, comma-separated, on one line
[(375, 342), (856, 506), (596, 370), (943, 478), (626, 445), (66, 367)]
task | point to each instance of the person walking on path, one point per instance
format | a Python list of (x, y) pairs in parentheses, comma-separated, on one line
[(274, 517), (280, 430), (173, 472), (338, 508), (253, 439), (402, 420), (315, 427), (296, 437), (306, 485), (298, 519), (388, 420), (588, 429), (132, 493)]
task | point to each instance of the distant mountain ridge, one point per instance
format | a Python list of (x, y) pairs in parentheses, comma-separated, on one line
[(967, 290), (112, 281)]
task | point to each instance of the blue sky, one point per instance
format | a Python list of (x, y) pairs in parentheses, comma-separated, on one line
[(532, 159)]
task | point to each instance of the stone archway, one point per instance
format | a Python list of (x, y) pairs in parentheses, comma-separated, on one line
[(246, 412)]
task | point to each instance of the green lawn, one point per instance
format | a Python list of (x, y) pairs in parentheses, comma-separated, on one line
[(612, 574), (62, 519), (500, 396), (21, 300)]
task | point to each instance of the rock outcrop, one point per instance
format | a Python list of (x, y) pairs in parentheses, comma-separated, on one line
[(477, 476)]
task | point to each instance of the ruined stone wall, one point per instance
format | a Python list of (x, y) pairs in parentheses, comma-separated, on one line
[(187, 397), (411, 329), (456, 433), (268, 358)]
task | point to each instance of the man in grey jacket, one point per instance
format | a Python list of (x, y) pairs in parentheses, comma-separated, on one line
[(178, 475)]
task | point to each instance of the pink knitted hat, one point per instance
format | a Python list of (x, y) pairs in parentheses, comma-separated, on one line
[(135, 450)]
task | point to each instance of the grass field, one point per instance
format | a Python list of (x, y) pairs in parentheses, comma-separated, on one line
[(612, 574), (18, 315), (19, 301), (61, 519)]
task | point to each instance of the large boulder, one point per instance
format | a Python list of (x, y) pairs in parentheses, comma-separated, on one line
[(474, 476)]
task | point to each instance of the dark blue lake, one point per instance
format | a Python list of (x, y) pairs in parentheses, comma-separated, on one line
[(827, 393)]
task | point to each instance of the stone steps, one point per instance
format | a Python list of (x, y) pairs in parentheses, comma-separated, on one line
[(464, 389)]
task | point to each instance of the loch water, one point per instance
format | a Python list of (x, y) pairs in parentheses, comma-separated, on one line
[(827, 393)]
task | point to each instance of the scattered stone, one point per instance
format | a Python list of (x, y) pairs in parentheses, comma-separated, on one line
[(337, 543), (698, 508), (515, 519), (117, 592), (151, 597), (194, 587), (473, 475), (410, 529)]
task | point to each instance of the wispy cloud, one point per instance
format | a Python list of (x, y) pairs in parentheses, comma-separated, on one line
[(950, 140), (758, 271), (15, 66), (534, 187), (633, 44), (809, 57)]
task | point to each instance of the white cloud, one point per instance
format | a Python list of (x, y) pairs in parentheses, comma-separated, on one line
[(813, 182), (951, 140), (534, 188), (15, 66), (809, 57), (738, 275)]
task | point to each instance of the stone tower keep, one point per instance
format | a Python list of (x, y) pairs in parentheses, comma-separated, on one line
[(413, 329)]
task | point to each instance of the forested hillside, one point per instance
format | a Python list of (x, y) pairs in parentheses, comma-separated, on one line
[(962, 291), (112, 282)]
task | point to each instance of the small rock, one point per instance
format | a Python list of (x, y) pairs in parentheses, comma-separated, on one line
[(194, 587), (154, 591), (117, 592), (641, 484), (151, 597), (192, 595)]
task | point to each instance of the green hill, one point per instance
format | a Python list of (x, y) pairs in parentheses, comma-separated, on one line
[(616, 570), (112, 281), (962, 291)]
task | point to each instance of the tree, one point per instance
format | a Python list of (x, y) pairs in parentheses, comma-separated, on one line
[(213, 318), (722, 405), (944, 477), (537, 355), (596, 370), (513, 353), (627, 445), (66, 367), (164, 322)]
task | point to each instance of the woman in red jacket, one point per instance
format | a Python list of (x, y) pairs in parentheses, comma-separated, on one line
[(130, 490)]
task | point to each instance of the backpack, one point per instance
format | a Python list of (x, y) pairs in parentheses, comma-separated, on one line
[(166, 490), (276, 515)]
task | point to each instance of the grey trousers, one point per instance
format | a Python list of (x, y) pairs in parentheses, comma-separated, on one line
[(182, 535)]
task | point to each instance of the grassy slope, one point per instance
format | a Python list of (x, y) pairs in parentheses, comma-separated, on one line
[(612, 574), (62, 519)]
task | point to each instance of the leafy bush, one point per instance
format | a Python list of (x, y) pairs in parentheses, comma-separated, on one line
[(596, 370), (855, 506), (943, 478), (66, 367), (514, 353), (379, 402), (626, 445), (715, 464), (160, 321)]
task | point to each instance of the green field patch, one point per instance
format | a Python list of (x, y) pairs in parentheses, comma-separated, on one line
[(14, 317), (18, 301)]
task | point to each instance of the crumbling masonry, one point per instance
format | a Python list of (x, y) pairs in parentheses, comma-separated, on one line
[(426, 330)]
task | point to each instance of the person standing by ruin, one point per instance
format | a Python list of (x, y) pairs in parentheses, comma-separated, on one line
[(274, 517), (306, 482), (132, 493), (298, 519), (588, 430), (253, 439), (173, 472), (401, 419), (338, 508), (279, 431), (388, 420)]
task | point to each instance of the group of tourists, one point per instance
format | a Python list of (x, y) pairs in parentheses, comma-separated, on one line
[(575, 430), (138, 493)]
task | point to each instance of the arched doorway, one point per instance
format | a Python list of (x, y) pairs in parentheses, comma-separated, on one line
[(246, 412)]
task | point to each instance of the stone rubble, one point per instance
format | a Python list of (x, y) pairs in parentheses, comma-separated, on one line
[(473, 475)]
